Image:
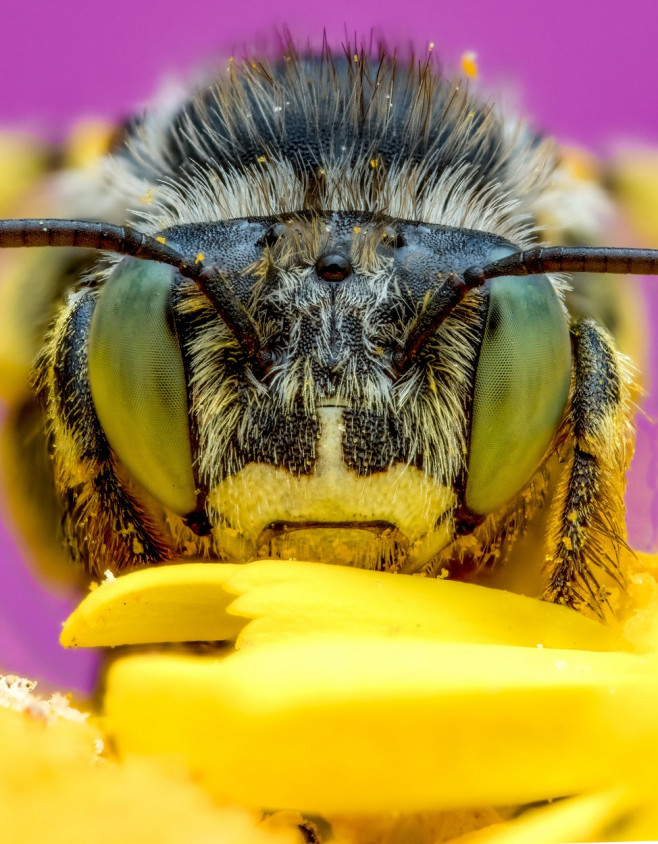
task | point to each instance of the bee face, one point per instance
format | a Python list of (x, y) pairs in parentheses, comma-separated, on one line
[(327, 392), (329, 442)]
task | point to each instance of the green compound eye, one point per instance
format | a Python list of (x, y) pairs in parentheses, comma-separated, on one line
[(521, 388), (138, 382)]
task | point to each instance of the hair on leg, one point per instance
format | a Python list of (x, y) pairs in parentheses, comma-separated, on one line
[(588, 535)]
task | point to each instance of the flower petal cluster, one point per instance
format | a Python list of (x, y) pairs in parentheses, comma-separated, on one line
[(383, 702)]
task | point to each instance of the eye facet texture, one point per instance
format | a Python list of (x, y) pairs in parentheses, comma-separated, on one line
[(137, 381), (521, 388)]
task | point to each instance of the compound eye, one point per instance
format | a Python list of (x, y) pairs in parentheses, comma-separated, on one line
[(138, 383), (521, 388)]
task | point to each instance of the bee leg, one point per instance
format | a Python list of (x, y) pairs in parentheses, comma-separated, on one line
[(104, 524), (587, 534)]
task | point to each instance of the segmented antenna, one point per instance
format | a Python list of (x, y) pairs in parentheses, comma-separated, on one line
[(122, 240), (567, 259), (537, 261), (436, 308)]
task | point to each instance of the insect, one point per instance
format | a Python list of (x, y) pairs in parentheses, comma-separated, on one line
[(323, 326)]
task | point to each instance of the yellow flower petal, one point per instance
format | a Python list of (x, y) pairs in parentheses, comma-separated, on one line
[(585, 818), (195, 602), (355, 724), (288, 599), (184, 603)]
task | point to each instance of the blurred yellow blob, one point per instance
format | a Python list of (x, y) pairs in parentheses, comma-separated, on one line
[(57, 785), (634, 178), (469, 64)]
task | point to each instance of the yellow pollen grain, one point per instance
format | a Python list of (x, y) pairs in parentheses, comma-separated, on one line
[(573, 515), (356, 58), (374, 162), (147, 199), (469, 64), (200, 257), (161, 239), (431, 46), (261, 159), (568, 544), (357, 229)]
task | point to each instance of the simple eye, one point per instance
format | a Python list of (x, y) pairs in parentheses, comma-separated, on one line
[(137, 381), (521, 388), (392, 238), (274, 234)]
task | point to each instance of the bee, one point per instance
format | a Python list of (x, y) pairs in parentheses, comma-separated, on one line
[(324, 325)]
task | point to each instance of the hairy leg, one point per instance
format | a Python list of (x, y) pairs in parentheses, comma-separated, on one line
[(587, 535)]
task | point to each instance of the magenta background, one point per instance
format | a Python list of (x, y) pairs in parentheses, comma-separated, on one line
[(584, 70)]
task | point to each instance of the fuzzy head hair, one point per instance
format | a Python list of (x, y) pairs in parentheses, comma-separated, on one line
[(344, 133)]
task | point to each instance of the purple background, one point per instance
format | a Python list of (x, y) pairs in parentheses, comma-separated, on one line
[(584, 70)]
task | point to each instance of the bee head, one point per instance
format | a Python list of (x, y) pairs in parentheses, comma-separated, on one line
[(349, 400), (339, 385), (331, 386)]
